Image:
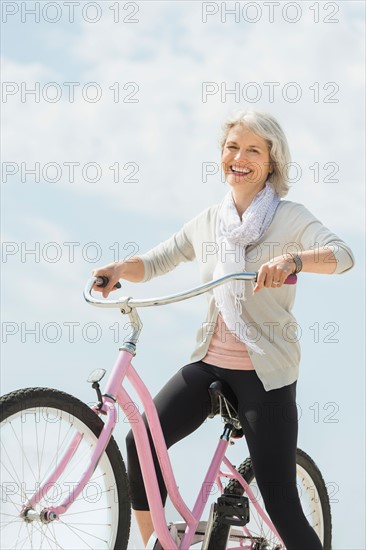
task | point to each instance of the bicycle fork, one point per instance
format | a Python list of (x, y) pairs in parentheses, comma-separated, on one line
[(107, 408), (52, 513)]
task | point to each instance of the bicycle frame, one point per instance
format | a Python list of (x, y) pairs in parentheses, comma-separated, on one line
[(114, 394), (123, 369)]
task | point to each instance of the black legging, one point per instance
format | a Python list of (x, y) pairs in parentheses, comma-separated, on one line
[(269, 421)]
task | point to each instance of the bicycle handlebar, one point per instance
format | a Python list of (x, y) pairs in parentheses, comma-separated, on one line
[(126, 303)]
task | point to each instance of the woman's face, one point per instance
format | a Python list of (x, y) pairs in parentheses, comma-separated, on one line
[(245, 159)]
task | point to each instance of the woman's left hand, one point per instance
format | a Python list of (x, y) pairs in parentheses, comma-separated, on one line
[(273, 274)]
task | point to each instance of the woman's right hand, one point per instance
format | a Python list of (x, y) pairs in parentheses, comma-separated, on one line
[(113, 272)]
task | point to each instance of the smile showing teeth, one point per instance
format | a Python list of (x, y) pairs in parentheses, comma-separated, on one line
[(240, 170)]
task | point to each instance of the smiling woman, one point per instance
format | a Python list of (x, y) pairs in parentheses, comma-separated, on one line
[(246, 164), (260, 366), (260, 140)]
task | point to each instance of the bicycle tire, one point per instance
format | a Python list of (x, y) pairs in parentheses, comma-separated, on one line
[(27, 460), (220, 533)]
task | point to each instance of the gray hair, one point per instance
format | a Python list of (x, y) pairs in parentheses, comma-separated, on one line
[(266, 126)]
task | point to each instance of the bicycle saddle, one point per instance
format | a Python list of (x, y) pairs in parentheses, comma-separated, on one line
[(224, 402)]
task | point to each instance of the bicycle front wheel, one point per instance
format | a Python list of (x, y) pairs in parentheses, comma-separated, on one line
[(37, 426), (314, 500)]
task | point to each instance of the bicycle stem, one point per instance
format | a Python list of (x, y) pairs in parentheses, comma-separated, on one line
[(130, 343)]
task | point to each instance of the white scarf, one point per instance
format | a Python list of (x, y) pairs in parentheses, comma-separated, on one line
[(232, 236)]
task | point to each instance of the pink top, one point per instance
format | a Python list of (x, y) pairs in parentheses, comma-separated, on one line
[(226, 350)]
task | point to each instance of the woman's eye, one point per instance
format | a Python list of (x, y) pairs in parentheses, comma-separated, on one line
[(235, 147)]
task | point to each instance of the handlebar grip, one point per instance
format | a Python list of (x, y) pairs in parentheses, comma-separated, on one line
[(291, 279), (102, 281)]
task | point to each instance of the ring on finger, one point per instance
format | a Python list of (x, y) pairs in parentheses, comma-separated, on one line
[(276, 283)]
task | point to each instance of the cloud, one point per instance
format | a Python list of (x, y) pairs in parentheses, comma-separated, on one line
[(170, 131)]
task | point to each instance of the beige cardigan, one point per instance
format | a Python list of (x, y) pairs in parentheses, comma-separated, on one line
[(273, 326)]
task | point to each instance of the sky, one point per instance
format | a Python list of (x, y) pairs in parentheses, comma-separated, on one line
[(111, 115)]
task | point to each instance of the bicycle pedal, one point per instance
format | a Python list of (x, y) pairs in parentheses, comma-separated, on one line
[(232, 510)]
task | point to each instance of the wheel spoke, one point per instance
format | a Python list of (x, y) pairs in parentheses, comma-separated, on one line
[(42, 532), (23, 455), (75, 529), (89, 511), (16, 478)]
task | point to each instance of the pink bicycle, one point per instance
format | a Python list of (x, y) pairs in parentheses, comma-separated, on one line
[(64, 482)]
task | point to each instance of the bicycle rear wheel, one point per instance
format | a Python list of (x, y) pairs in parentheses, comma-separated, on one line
[(314, 500), (37, 425)]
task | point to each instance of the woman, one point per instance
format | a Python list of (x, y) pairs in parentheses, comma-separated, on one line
[(249, 339)]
